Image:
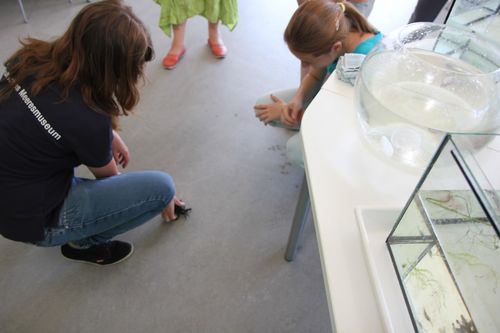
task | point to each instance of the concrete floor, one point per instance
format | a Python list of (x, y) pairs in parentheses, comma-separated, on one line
[(222, 270)]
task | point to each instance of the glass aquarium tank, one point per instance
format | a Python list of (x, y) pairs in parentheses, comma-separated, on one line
[(423, 81), (482, 16), (445, 245)]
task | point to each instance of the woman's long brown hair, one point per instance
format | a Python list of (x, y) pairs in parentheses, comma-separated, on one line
[(317, 24), (102, 54)]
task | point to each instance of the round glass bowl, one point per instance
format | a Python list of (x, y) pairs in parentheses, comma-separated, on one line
[(423, 81)]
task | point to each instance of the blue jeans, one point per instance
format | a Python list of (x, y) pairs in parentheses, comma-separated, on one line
[(95, 211)]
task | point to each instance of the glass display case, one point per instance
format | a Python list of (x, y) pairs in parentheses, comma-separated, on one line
[(445, 246)]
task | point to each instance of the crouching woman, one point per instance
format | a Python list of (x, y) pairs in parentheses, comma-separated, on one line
[(59, 105)]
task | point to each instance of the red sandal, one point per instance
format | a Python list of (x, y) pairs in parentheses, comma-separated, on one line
[(171, 60), (218, 50)]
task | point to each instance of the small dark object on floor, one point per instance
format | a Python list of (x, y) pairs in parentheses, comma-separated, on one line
[(181, 211)]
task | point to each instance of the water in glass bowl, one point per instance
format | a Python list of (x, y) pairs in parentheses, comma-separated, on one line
[(407, 100)]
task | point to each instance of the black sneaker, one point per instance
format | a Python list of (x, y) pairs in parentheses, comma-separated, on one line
[(102, 254)]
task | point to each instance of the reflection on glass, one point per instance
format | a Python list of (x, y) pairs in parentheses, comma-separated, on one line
[(482, 16), (446, 247)]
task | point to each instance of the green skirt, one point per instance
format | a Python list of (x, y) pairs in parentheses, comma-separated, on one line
[(178, 11)]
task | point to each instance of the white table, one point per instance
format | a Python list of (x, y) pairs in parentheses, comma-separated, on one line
[(343, 172)]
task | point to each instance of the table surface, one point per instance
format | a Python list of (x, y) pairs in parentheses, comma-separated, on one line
[(343, 172)]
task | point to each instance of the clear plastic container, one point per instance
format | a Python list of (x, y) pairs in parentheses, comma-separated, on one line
[(423, 81)]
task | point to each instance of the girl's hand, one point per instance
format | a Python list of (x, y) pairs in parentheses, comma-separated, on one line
[(120, 150), (292, 115), (270, 112)]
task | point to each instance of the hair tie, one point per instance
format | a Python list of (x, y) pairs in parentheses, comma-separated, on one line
[(342, 6)]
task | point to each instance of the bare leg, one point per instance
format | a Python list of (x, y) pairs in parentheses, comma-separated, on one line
[(215, 42), (213, 33), (177, 49), (178, 40)]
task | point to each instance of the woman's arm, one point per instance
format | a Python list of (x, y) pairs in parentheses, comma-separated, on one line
[(108, 170), (311, 84), (120, 150), (121, 156)]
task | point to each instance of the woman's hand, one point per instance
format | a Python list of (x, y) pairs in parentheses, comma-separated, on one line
[(272, 111), (168, 213), (120, 150)]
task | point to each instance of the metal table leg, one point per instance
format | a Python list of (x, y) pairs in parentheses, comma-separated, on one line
[(25, 18), (302, 215), (22, 10)]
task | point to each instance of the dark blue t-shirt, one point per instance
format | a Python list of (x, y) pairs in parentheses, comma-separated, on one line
[(42, 139)]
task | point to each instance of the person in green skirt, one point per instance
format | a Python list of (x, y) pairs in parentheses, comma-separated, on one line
[(174, 14)]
